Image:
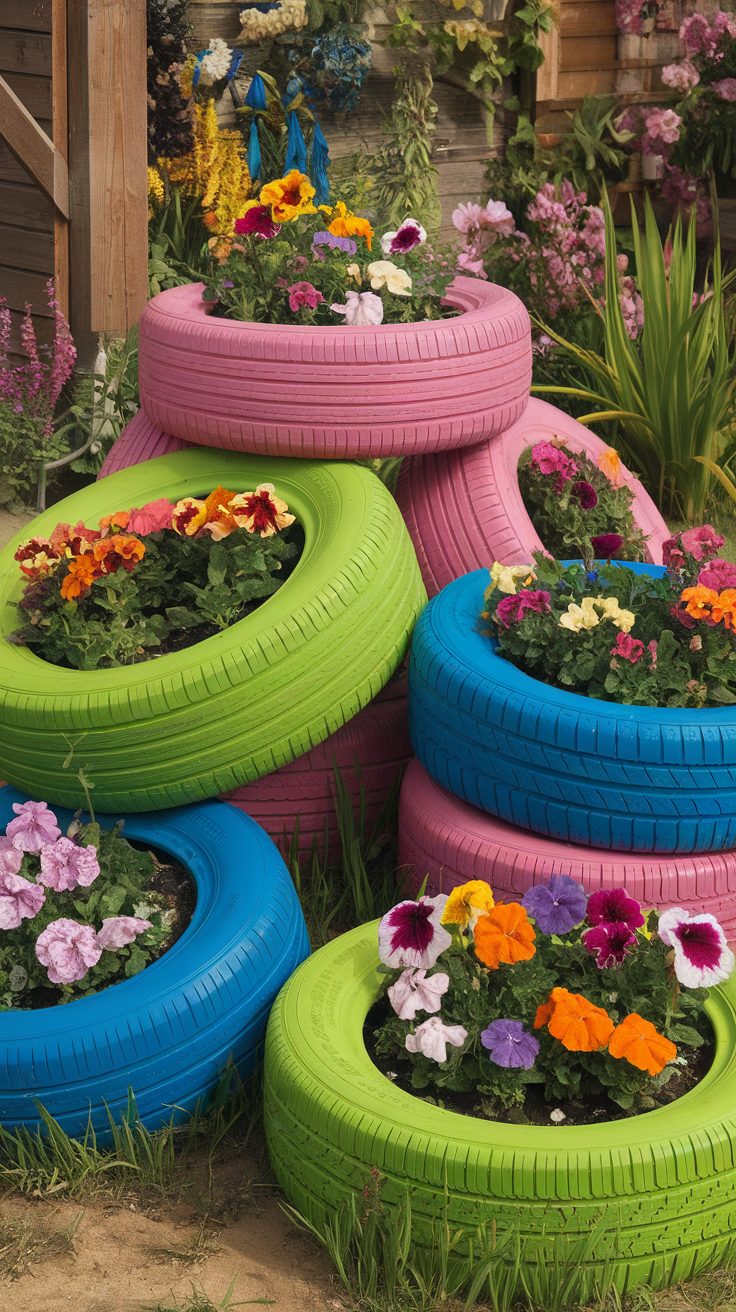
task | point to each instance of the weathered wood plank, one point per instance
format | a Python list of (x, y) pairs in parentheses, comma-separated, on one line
[(27, 15), (60, 137), (34, 92), (25, 52), (27, 250), (25, 207), (33, 148), (587, 18), (21, 287), (588, 54)]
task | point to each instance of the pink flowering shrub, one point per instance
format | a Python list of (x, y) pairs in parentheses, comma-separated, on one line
[(77, 910), (29, 395), (634, 17)]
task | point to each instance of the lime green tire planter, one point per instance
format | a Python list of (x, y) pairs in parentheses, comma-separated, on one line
[(656, 1192), (195, 723)]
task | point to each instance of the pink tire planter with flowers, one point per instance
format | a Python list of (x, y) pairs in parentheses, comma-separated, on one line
[(140, 440), (336, 392), (450, 842), (464, 508)]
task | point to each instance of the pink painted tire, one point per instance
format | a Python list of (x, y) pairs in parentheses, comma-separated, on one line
[(140, 440), (464, 509), (371, 751), (451, 842), (336, 392)]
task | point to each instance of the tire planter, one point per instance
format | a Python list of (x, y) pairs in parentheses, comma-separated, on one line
[(451, 842), (370, 751), (336, 392), (464, 508), (632, 778), (168, 1033), (140, 440), (652, 1198), (199, 722)]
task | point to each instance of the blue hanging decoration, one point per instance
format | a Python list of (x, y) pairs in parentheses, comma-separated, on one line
[(235, 62), (296, 146), (197, 71), (319, 163), (254, 151), (256, 97)]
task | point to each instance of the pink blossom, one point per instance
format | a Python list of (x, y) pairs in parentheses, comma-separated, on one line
[(726, 88), (11, 858), (414, 991), (304, 294), (471, 264), (695, 34), (19, 900), (703, 542), (119, 931), (432, 1037), (65, 865), (68, 950), (550, 459), (652, 648), (718, 574), (628, 648), (661, 129), (34, 827), (151, 518), (510, 610), (681, 77)]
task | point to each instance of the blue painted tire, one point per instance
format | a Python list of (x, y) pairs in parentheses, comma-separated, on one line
[(168, 1032), (638, 779)]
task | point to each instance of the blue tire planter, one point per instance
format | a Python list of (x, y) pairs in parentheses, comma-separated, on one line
[(167, 1033), (632, 778)]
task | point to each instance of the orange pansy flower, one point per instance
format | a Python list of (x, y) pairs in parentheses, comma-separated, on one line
[(219, 523), (699, 601), (81, 574), (724, 608), (609, 463), (579, 1025), (637, 1041), (118, 520), (345, 224), (504, 935)]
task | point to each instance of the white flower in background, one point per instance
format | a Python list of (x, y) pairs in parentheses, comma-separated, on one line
[(405, 238), (257, 26), (216, 61), (383, 273), (360, 309)]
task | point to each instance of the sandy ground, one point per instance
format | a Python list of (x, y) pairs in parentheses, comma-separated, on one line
[(12, 524)]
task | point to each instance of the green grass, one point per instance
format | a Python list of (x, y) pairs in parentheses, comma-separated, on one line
[(198, 1301), (24, 1243)]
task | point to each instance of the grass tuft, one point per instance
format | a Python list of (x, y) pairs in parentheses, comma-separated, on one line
[(23, 1243), (198, 1301)]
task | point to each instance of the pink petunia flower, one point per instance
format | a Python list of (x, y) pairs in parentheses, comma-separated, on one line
[(432, 1037), (610, 942), (303, 294), (628, 648), (415, 991), (725, 89), (614, 904), (119, 931), (11, 858), (34, 827), (257, 222), (19, 900), (410, 934), (151, 518), (67, 950), (528, 601), (550, 460), (702, 955), (66, 865), (718, 574), (702, 543)]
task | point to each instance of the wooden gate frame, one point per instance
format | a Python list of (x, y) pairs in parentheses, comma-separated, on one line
[(93, 168)]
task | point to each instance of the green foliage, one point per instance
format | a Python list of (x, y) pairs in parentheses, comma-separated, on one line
[(406, 179), (327, 14), (565, 522), (591, 153), (23, 447), (102, 404), (671, 389)]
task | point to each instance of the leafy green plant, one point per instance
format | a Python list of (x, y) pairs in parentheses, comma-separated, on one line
[(671, 388), (406, 178), (591, 153)]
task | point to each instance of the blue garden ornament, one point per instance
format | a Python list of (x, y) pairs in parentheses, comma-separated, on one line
[(296, 146), (319, 163), (254, 151), (235, 62), (256, 97)]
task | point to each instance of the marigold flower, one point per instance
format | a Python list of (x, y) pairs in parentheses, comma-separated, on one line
[(261, 511), (345, 224), (289, 197), (81, 574), (466, 903), (579, 1025), (638, 1042), (504, 935)]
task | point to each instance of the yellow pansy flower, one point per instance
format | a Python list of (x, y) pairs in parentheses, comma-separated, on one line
[(467, 903)]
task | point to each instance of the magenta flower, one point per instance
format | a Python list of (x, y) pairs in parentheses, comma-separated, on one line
[(410, 934), (528, 601), (609, 942), (11, 859), (725, 89), (702, 543), (509, 1045), (606, 545), (614, 904), (702, 955), (408, 235), (151, 518), (672, 554), (414, 991), (67, 950), (549, 459), (628, 648), (718, 574), (257, 222), (19, 900), (558, 905), (65, 865), (34, 827), (119, 931), (304, 294), (586, 494), (432, 1037)]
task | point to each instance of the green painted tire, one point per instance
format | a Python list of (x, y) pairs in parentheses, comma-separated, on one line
[(200, 722), (654, 1196)]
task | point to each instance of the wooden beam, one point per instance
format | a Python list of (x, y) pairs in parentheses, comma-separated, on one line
[(60, 135), (33, 148), (549, 70)]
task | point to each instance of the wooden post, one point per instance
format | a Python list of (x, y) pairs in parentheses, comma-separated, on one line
[(107, 165)]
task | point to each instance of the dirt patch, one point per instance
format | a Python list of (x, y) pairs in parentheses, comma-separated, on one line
[(10, 524)]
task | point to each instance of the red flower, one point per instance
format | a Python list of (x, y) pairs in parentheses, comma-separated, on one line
[(257, 222)]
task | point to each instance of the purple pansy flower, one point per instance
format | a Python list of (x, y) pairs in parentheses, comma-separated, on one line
[(609, 942), (509, 1045), (34, 827), (19, 900), (414, 991), (702, 955), (65, 865), (410, 934), (345, 244), (557, 905), (614, 904), (119, 931), (67, 950)]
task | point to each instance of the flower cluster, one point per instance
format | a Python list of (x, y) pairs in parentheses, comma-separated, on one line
[(608, 632), (262, 22), (330, 68), (213, 174), (572, 499), (293, 261), (635, 17), (583, 995), (556, 263), (46, 877), (95, 596)]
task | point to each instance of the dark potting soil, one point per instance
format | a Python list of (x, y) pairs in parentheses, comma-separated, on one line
[(535, 1110), (174, 884)]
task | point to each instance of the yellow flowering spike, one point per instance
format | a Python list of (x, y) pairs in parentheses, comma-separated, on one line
[(467, 903)]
